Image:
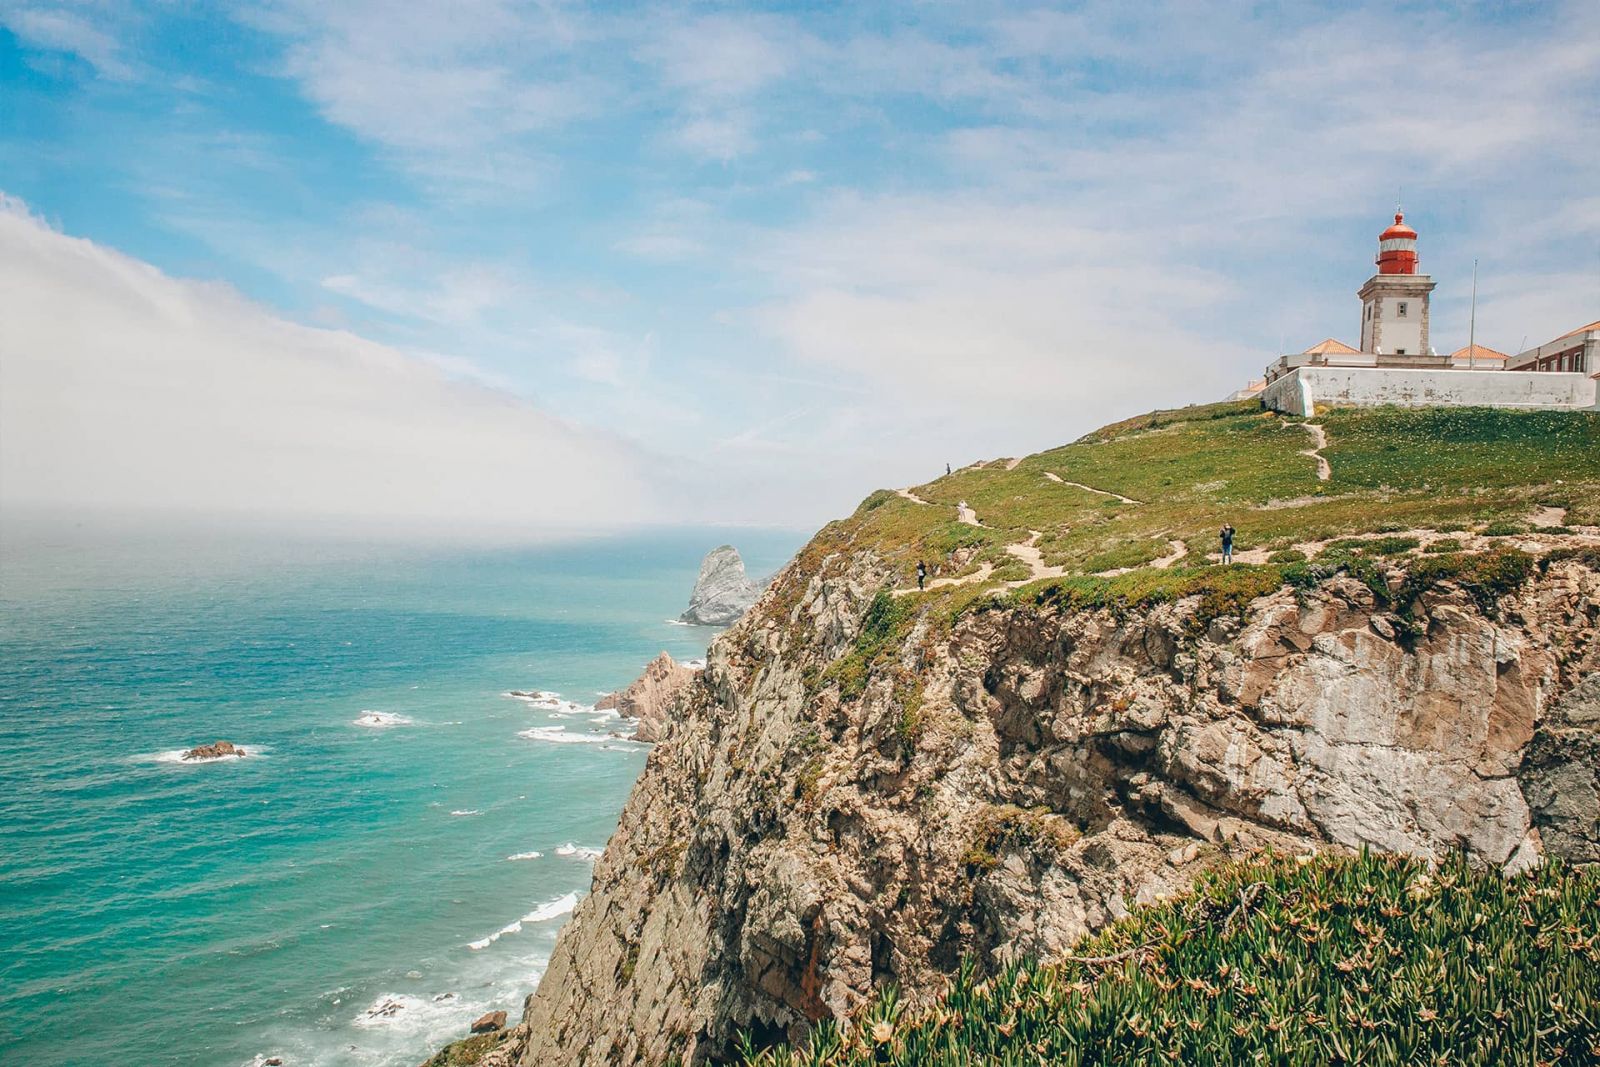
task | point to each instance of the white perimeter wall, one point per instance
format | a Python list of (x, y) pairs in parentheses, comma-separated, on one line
[(1296, 392)]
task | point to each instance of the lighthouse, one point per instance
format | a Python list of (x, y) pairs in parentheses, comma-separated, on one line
[(1394, 302)]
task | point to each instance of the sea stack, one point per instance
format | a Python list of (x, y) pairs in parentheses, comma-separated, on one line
[(723, 593)]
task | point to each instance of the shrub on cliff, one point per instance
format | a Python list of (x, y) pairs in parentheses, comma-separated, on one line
[(1370, 959)]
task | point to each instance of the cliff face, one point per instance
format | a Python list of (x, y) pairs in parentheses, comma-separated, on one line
[(829, 811)]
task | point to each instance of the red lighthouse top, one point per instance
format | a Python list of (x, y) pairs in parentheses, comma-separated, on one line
[(1397, 248)]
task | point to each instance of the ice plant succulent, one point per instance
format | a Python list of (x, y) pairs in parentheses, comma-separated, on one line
[(1360, 959)]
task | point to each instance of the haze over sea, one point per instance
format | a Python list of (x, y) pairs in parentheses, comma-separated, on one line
[(396, 853)]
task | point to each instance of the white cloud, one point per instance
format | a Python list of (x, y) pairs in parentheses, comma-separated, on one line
[(1073, 276), (61, 30), (125, 388), (453, 91)]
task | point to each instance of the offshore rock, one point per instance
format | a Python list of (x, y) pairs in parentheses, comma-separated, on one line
[(809, 830), (722, 593), (649, 700), (215, 750)]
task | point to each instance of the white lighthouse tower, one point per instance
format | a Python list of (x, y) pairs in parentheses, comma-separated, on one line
[(1394, 302)]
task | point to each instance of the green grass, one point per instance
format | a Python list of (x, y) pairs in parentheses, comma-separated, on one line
[(1194, 469), (1394, 470), (1340, 960)]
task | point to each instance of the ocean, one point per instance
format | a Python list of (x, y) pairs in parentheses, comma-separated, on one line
[(396, 852)]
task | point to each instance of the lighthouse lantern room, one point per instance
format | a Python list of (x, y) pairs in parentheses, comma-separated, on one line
[(1394, 302)]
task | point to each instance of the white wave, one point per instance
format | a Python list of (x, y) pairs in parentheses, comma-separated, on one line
[(526, 856), (176, 756), (380, 720), (676, 622), (466, 811), (553, 909), (553, 704), (391, 1009), (539, 698), (550, 909), (694, 664), (558, 735), (581, 851)]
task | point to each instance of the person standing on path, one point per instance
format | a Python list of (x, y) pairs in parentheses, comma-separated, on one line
[(1227, 542), (947, 470), (922, 574)]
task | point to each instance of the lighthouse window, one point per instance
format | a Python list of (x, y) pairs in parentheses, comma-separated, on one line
[(1402, 309)]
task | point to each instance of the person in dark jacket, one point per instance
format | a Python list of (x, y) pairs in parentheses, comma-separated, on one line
[(1227, 542), (922, 574)]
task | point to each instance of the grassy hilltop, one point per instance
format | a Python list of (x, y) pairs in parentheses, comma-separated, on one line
[(1130, 513), (1189, 471)]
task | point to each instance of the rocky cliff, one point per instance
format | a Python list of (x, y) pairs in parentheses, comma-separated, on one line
[(650, 698), (722, 593), (870, 783), (842, 803)]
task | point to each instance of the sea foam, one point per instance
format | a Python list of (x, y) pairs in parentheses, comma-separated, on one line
[(581, 851), (558, 735), (380, 720), (550, 909), (175, 756)]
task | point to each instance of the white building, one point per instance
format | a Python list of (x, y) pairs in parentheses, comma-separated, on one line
[(1578, 350), (1396, 363)]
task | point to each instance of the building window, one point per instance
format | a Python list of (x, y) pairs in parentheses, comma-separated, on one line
[(1402, 312)]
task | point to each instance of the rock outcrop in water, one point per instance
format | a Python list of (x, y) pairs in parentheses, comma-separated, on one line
[(722, 593), (1000, 784), (215, 750), (649, 699)]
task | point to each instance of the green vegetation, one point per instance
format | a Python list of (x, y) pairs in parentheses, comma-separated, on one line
[(1177, 476), (468, 1051), (886, 619), (1486, 576), (1191, 470), (1223, 590), (1349, 960)]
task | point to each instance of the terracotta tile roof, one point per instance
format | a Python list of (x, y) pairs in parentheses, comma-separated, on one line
[(1595, 325), (1477, 352), (1330, 347)]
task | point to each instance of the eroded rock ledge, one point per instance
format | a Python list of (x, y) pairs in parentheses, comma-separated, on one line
[(1007, 783), (650, 698)]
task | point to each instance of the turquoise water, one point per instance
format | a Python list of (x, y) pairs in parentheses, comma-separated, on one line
[(347, 894)]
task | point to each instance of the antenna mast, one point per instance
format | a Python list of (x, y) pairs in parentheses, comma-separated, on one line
[(1472, 328)]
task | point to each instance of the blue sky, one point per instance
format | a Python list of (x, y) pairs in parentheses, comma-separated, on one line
[(772, 257)]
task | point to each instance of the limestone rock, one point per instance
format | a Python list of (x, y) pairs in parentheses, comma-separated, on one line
[(650, 698), (722, 593)]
